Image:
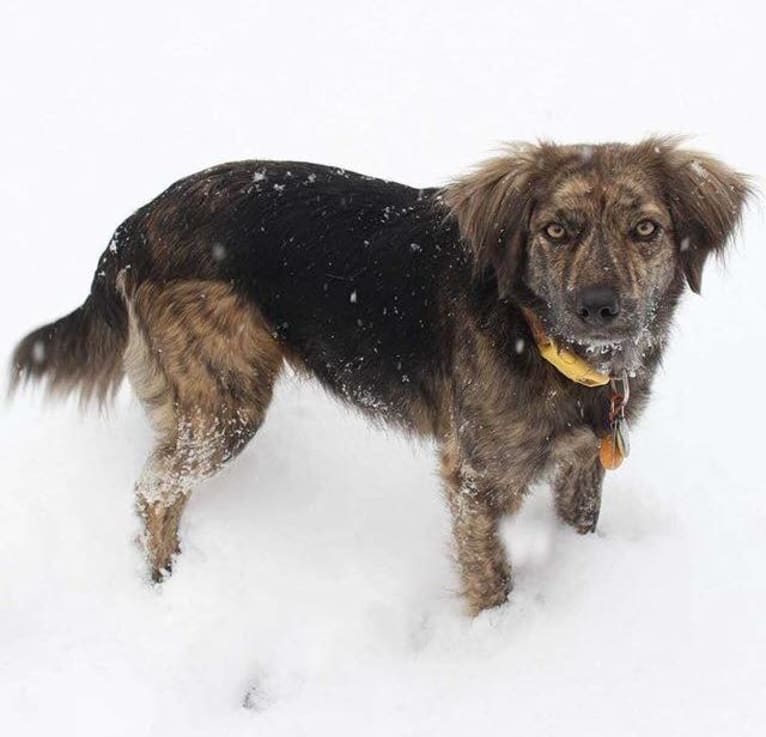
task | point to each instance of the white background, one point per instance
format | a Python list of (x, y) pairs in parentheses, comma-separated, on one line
[(316, 574)]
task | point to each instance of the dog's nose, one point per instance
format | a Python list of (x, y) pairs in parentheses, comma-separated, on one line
[(598, 305)]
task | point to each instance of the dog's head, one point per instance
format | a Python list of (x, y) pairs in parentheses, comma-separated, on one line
[(598, 240)]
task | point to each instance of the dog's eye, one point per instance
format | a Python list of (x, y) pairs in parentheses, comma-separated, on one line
[(555, 232), (646, 228)]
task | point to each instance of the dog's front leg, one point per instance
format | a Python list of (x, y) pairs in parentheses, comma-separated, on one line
[(577, 485), (577, 490), (477, 505)]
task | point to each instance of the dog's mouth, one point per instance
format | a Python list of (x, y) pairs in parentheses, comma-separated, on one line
[(615, 348), (607, 338), (612, 351), (574, 333)]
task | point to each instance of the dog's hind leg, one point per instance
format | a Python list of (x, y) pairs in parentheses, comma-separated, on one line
[(203, 362)]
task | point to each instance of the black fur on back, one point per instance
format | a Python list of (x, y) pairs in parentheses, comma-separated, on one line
[(356, 275)]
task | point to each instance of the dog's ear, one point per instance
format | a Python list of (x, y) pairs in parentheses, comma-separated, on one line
[(492, 206), (706, 199)]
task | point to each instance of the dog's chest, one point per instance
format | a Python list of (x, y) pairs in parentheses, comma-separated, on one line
[(516, 429)]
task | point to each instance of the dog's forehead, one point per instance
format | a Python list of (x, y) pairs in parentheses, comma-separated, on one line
[(610, 185)]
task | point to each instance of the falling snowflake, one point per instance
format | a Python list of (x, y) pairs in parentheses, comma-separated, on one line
[(38, 352)]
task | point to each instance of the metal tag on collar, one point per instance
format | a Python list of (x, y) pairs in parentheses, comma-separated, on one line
[(622, 436), (615, 445), (620, 429)]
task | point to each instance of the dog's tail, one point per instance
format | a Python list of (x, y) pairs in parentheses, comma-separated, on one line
[(83, 350)]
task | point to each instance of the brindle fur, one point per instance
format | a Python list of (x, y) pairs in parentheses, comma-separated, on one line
[(405, 303), (203, 362)]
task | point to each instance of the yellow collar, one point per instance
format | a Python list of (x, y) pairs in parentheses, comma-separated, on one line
[(614, 445), (569, 364)]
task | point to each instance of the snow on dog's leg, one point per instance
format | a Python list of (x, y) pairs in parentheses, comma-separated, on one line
[(160, 507), (203, 362), (197, 449)]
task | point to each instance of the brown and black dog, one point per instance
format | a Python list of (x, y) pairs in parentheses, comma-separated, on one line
[(422, 307)]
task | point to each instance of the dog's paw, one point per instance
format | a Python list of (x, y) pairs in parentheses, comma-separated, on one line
[(160, 573)]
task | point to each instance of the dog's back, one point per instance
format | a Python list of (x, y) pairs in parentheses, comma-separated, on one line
[(356, 303)]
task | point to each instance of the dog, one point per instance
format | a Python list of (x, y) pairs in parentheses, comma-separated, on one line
[(507, 315)]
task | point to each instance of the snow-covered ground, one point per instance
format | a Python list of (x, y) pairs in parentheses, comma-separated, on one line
[(316, 586)]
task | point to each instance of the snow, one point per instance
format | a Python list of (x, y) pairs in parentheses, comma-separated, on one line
[(38, 351), (218, 251), (315, 594)]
